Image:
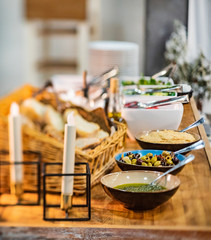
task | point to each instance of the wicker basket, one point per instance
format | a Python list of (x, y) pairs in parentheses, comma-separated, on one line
[(100, 159)]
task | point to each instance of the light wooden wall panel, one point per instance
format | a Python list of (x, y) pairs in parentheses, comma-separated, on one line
[(55, 9)]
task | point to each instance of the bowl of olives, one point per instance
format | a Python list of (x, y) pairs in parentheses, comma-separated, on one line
[(155, 160)]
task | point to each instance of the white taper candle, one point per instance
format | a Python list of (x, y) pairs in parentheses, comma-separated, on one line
[(15, 143), (69, 154)]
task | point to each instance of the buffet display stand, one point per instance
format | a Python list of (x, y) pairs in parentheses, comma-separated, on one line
[(187, 215)]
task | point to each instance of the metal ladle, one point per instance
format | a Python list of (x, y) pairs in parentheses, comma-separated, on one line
[(195, 146), (184, 162), (157, 103), (198, 145), (195, 124), (102, 78), (151, 90), (165, 70)]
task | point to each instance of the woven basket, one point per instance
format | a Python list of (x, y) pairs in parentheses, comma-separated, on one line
[(100, 159)]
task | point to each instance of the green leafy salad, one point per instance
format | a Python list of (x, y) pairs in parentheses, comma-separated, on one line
[(144, 81)]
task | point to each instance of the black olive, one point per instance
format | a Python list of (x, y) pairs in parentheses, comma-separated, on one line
[(175, 160), (139, 161)]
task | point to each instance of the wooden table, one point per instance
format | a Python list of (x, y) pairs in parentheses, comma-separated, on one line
[(187, 215)]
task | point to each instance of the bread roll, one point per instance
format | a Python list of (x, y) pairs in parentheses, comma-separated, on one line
[(33, 109), (29, 123), (54, 119), (83, 127), (101, 134), (51, 131), (87, 143)]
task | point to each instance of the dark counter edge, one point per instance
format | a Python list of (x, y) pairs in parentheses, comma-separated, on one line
[(34, 233)]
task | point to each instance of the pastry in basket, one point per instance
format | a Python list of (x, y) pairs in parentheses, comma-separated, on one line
[(52, 132), (54, 119), (42, 114), (84, 128), (101, 134), (91, 142), (87, 143), (33, 109), (28, 122), (89, 133)]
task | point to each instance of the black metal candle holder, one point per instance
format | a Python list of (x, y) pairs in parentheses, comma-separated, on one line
[(88, 194), (37, 163)]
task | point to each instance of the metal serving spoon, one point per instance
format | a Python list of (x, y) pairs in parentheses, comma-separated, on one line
[(151, 90), (174, 87), (164, 70), (136, 104), (195, 124), (99, 80), (198, 145), (187, 160)]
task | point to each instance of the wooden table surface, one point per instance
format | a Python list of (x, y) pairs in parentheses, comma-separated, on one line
[(187, 215)]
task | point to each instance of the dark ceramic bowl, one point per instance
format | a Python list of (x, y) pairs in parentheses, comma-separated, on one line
[(163, 146), (126, 167), (186, 90), (139, 200)]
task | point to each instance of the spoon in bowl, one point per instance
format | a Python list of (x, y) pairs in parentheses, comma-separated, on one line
[(162, 102), (171, 66), (195, 124), (184, 162), (198, 145)]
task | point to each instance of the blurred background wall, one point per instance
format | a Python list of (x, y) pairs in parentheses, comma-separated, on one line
[(12, 45), (199, 28), (125, 23), (160, 19), (33, 49)]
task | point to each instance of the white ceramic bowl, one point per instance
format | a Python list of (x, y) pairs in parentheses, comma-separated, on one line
[(163, 117)]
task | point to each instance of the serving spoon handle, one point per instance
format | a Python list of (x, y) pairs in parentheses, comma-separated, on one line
[(198, 145), (187, 160), (156, 103), (100, 79), (164, 71), (195, 124), (166, 101), (152, 90)]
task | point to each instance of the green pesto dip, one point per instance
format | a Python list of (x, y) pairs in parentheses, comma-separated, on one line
[(139, 187)]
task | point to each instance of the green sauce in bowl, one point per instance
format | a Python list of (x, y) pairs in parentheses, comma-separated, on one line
[(140, 187)]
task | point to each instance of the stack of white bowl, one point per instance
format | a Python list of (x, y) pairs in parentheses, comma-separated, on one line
[(103, 55)]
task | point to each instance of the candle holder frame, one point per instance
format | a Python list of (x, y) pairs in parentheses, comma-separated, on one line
[(38, 166), (88, 193)]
